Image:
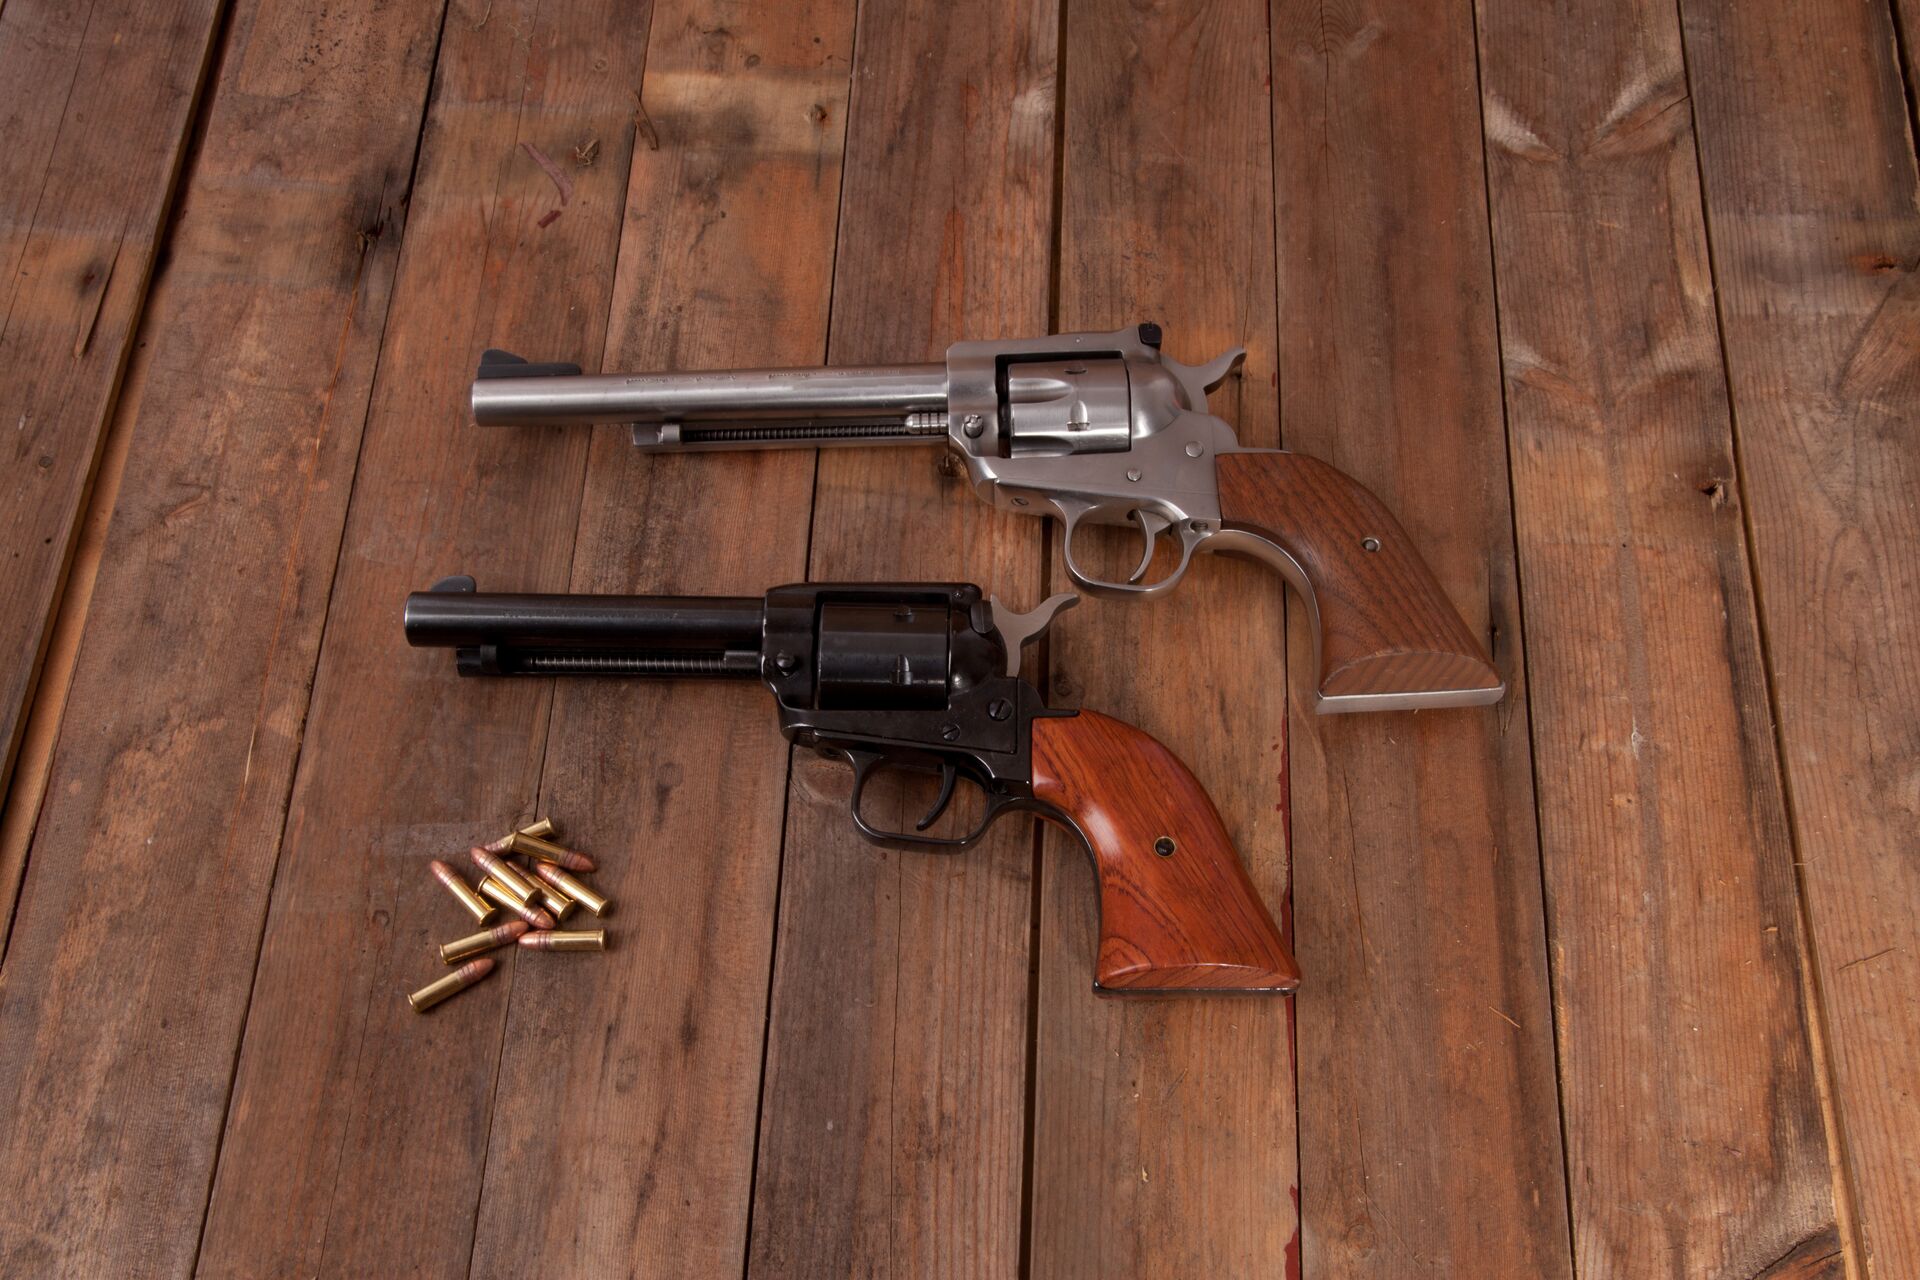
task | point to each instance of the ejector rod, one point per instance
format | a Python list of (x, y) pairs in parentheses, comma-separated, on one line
[(768, 396)]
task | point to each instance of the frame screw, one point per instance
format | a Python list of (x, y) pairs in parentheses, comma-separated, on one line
[(1133, 473), (1193, 449), (999, 709), (972, 426), (950, 730), (784, 661)]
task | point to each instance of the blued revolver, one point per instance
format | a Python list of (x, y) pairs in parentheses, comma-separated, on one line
[(924, 677), (1094, 428)]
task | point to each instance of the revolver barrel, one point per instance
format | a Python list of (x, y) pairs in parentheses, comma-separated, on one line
[(543, 635), (719, 409)]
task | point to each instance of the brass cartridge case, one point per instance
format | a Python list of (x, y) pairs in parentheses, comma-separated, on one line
[(459, 888), (534, 916), (566, 940), (557, 904), (503, 871), (570, 886), (546, 851), (501, 935), (453, 984), (540, 828)]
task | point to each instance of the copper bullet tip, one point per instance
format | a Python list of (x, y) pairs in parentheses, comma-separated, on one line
[(460, 889)]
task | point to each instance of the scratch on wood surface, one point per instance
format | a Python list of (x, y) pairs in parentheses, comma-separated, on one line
[(644, 123), (1863, 959), (85, 336), (560, 179)]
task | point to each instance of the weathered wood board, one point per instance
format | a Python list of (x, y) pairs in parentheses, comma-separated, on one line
[(1816, 236), (631, 1148), (1426, 1035), (1164, 1139), (357, 1136), (891, 1129), (1684, 1058), (96, 114)]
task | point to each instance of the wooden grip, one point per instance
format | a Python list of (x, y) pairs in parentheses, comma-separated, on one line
[(1388, 635), (1177, 912)]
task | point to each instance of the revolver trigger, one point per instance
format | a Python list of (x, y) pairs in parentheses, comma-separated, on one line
[(1152, 525), (948, 775)]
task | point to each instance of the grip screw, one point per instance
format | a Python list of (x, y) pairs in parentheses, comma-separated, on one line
[(1164, 846), (1370, 544)]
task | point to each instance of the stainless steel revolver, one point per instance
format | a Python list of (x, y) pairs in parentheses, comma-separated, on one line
[(1094, 428)]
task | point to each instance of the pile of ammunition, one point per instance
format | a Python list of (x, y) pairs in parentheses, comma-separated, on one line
[(539, 894)]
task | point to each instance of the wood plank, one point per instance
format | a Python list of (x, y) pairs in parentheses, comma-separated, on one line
[(1427, 1093), (358, 1129), (127, 975), (1164, 1129), (646, 1130), (891, 1131), (101, 98), (1687, 1081), (1816, 236)]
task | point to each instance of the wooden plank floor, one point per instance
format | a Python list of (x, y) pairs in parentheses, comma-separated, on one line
[(1613, 301)]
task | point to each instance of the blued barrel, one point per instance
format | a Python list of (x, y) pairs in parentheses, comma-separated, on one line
[(528, 625)]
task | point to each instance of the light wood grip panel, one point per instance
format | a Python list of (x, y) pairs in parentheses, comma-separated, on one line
[(1387, 636), (1188, 920)]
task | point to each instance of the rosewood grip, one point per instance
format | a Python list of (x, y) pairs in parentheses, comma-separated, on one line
[(1177, 912), (1387, 636)]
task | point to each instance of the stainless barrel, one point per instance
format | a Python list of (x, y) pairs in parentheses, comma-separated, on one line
[(887, 393)]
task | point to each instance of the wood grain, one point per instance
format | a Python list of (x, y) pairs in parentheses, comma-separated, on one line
[(1164, 1139), (891, 1126), (1177, 911), (128, 972), (1385, 626), (95, 116), (358, 1130), (1816, 237), (648, 1122), (1427, 1087), (1687, 1082)]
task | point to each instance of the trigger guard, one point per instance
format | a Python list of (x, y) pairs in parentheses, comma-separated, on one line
[(863, 764), (1072, 513)]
